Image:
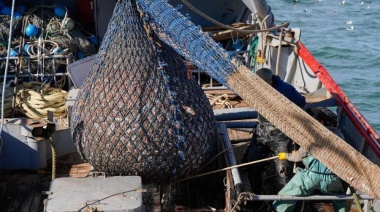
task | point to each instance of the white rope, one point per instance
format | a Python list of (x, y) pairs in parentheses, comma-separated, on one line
[(279, 53), (5, 75)]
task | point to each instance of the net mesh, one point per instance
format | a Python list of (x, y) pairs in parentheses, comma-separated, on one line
[(4, 32), (138, 113), (187, 39), (5, 21)]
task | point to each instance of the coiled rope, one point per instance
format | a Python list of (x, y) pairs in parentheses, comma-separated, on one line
[(36, 103), (35, 99)]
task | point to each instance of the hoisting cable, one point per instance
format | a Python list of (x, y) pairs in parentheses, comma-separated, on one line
[(5, 75), (283, 25), (216, 156), (230, 167)]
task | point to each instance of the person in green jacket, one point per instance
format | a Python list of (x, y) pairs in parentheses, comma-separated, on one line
[(314, 177)]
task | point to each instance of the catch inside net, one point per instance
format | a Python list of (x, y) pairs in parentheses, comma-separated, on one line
[(137, 112)]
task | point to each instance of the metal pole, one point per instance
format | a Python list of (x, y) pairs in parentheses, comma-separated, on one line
[(231, 158), (248, 124), (235, 114), (95, 8), (313, 197)]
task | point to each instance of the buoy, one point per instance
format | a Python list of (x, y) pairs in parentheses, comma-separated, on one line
[(13, 53), (17, 15), (31, 30), (60, 11), (5, 10), (53, 27), (22, 8), (68, 24), (238, 46), (93, 39), (80, 55)]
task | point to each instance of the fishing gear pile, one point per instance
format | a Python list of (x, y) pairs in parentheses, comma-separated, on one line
[(43, 38), (137, 112), (44, 41)]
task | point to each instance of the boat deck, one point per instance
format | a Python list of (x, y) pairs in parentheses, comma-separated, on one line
[(22, 190), (25, 190)]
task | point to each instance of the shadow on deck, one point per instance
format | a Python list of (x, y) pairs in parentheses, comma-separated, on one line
[(23, 190)]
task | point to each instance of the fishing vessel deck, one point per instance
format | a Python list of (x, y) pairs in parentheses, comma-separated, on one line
[(28, 187)]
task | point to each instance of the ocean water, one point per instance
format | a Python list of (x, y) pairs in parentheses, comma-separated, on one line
[(343, 37)]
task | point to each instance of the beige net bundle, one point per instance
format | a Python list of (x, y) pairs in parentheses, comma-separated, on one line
[(331, 150)]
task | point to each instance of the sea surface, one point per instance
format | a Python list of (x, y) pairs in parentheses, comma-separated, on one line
[(344, 37)]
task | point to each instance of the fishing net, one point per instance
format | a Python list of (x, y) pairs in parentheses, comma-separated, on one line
[(268, 141), (279, 171), (37, 20), (137, 112), (41, 57), (188, 40), (5, 21), (196, 46), (78, 38), (53, 39), (53, 29), (4, 32)]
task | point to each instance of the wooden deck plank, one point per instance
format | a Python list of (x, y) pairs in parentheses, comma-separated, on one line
[(80, 170)]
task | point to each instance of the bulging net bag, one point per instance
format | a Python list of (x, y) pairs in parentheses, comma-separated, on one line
[(137, 112)]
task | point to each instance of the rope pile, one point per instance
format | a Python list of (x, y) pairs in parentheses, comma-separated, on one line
[(35, 99), (35, 103), (219, 101)]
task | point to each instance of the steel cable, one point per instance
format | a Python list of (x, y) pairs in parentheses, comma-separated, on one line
[(5, 75)]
